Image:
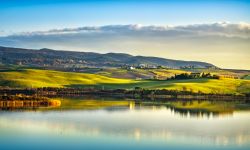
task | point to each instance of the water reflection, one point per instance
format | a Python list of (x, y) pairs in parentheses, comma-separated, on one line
[(163, 123), (185, 108)]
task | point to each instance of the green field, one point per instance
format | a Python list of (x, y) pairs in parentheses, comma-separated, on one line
[(247, 77), (49, 78)]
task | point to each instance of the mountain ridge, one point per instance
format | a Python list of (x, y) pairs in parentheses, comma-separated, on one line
[(61, 58)]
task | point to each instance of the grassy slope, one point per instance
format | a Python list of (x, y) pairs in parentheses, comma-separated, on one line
[(238, 73), (133, 74), (247, 77), (159, 73), (203, 85), (123, 73), (48, 78)]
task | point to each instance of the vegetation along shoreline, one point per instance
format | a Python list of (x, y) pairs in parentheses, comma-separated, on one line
[(136, 93)]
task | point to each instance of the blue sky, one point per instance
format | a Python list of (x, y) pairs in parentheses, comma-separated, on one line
[(215, 31), (32, 15)]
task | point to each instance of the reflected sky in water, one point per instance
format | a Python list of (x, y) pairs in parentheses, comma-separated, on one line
[(119, 127)]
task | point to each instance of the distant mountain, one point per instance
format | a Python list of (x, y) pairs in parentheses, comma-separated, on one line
[(55, 58)]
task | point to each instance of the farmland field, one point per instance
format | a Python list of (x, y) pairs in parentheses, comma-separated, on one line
[(48, 78)]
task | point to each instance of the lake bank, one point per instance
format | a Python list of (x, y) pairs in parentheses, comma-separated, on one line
[(11, 102), (137, 93)]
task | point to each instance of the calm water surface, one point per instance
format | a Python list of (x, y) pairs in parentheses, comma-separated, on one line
[(95, 124)]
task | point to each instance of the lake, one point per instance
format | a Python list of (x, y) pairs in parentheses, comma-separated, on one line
[(91, 123)]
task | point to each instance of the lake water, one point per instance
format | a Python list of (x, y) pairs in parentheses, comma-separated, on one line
[(126, 124)]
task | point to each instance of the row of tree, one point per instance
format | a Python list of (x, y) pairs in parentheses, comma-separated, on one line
[(194, 76)]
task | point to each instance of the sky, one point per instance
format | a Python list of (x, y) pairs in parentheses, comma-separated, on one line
[(215, 31)]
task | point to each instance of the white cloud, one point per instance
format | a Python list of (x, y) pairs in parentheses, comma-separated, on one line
[(204, 42), (240, 30)]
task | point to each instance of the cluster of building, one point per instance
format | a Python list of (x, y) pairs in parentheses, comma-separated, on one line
[(195, 67), (141, 66)]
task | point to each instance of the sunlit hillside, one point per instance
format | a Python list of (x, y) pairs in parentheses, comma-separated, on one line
[(48, 78)]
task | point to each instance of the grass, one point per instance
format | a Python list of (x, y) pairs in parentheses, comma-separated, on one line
[(247, 77), (225, 86), (167, 73), (135, 73), (49, 78), (123, 73)]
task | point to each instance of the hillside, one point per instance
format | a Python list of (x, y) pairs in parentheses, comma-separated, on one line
[(70, 59), (133, 74), (48, 78)]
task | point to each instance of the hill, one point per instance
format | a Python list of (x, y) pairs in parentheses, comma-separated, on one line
[(70, 59), (47, 78)]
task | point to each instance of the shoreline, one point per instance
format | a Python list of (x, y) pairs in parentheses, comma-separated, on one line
[(121, 93)]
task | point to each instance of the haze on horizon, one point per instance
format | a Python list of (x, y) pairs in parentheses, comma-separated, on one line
[(217, 32)]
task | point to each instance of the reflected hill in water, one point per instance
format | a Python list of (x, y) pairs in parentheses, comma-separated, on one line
[(138, 122), (190, 108), (195, 108)]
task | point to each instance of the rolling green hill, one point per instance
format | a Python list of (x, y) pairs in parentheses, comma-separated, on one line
[(49, 78)]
